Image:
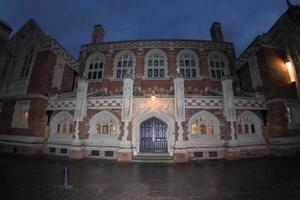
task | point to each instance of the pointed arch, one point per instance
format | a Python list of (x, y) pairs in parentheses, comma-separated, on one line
[(156, 64), (94, 66), (218, 64), (204, 130), (61, 125), (207, 119), (249, 128), (188, 63), (124, 60), (104, 123)]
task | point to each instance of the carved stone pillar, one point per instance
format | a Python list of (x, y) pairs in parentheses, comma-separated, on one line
[(228, 105), (179, 107), (180, 153), (125, 151), (80, 110)]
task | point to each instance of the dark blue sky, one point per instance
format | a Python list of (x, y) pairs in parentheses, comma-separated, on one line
[(71, 21)]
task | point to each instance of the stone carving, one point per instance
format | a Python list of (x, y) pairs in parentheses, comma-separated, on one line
[(80, 110), (228, 100), (179, 99), (127, 99)]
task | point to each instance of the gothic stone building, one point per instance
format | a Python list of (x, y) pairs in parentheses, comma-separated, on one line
[(177, 100)]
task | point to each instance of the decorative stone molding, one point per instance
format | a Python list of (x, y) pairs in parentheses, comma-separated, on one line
[(194, 44), (144, 109), (249, 103), (203, 102)]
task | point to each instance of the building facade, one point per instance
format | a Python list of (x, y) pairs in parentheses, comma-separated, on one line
[(178, 100)]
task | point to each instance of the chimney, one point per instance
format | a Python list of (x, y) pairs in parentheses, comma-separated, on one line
[(216, 32), (98, 34), (5, 30)]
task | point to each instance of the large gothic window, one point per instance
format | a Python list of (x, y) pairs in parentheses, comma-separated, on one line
[(218, 65), (124, 63), (188, 64), (156, 64), (94, 66), (104, 123), (61, 125)]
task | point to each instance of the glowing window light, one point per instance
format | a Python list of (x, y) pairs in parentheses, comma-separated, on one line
[(153, 97), (290, 70)]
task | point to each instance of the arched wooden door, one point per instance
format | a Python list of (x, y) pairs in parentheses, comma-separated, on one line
[(153, 136)]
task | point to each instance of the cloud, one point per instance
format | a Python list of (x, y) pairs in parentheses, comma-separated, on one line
[(71, 21)]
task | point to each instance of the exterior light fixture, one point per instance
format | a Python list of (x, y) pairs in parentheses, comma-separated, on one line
[(289, 67), (153, 97)]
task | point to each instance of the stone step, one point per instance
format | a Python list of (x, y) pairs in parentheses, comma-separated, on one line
[(153, 158)]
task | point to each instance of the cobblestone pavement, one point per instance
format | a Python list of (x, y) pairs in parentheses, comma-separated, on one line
[(41, 178)]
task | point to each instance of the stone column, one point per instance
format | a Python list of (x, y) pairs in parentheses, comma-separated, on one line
[(80, 110), (180, 154), (228, 105), (230, 116), (125, 151)]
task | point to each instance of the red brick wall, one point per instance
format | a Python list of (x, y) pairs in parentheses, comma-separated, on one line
[(36, 121), (42, 75), (67, 79), (245, 78), (42, 71)]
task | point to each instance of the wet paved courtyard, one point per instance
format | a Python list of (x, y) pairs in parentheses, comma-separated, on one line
[(42, 178)]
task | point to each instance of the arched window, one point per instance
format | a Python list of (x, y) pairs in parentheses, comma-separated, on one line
[(249, 128), (94, 66), (124, 62), (218, 65), (249, 123), (188, 64), (61, 124), (104, 123), (204, 123), (156, 64)]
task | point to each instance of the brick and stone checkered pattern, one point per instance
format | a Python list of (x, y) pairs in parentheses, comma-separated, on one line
[(157, 44), (104, 103), (61, 104), (249, 104), (203, 103)]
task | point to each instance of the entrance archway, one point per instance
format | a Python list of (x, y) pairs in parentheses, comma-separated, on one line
[(153, 135)]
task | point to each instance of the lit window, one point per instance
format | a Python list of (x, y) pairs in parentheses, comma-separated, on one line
[(187, 61), (21, 115), (155, 64), (124, 62), (94, 66), (217, 65), (202, 126)]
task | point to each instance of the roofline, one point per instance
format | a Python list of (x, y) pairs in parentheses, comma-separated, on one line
[(158, 40)]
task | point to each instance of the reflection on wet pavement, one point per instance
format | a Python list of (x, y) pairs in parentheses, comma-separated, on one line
[(42, 178)]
